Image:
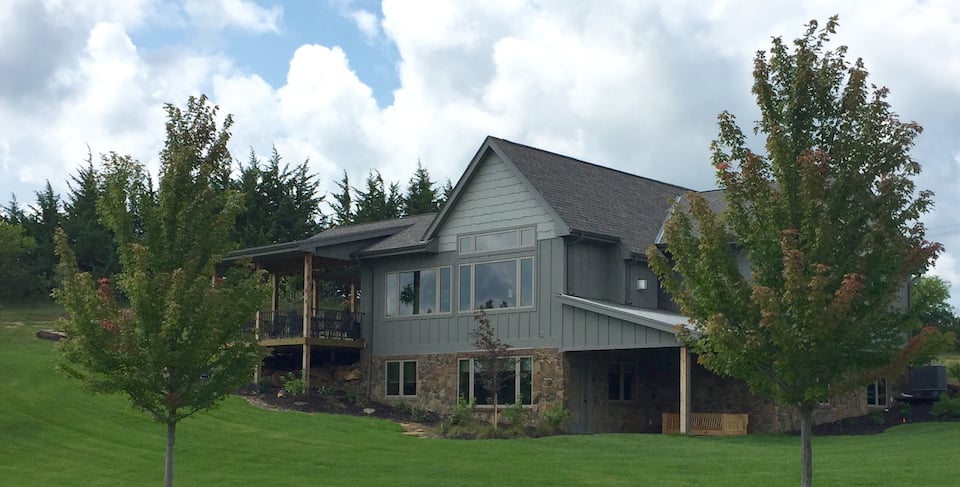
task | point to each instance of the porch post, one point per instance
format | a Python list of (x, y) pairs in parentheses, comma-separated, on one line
[(353, 297), (307, 310), (684, 390), (275, 285), (257, 369)]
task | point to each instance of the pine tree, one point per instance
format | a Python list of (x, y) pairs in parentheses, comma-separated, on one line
[(92, 242), (421, 197), (342, 204), (376, 203)]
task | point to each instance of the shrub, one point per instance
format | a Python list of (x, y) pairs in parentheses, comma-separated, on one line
[(953, 370), (516, 415), (401, 407), (553, 417), (946, 408), (420, 414), (294, 384), (358, 396), (462, 414), (906, 411)]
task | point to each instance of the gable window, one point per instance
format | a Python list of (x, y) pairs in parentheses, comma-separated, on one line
[(517, 381), (620, 382), (402, 378), (490, 242), (877, 393), (501, 284), (419, 292)]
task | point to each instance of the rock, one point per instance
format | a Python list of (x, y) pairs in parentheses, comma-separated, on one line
[(369, 411), (321, 375), (281, 393), (344, 374), (51, 335), (299, 403)]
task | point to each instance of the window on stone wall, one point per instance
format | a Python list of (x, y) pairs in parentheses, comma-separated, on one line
[(517, 382), (620, 380), (877, 393), (418, 292), (402, 378)]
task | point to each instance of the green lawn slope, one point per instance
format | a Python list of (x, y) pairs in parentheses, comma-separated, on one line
[(53, 433)]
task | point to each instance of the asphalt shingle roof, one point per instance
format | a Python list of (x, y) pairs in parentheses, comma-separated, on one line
[(596, 199)]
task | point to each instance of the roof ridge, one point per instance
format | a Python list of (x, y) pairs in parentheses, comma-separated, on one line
[(581, 161)]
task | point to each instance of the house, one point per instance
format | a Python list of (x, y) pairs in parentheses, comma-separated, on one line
[(553, 249)]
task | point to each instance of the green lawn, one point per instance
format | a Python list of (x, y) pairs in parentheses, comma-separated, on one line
[(52, 433)]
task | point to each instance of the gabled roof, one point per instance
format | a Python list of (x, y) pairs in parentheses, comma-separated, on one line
[(587, 198)]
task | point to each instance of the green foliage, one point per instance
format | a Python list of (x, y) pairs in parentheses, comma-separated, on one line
[(357, 395), (906, 411), (516, 414), (401, 407), (462, 413), (946, 408), (492, 360), (421, 196), (420, 414), (828, 220), (342, 204), (92, 242), (176, 349), (280, 203), (15, 249), (929, 302), (554, 417), (294, 384), (953, 369), (377, 203)]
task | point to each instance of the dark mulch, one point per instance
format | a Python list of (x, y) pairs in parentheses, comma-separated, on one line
[(335, 403), (877, 421)]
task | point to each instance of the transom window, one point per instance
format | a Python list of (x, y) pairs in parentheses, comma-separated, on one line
[(877, 393), (501, 284), (402, 378), (419, 292), (620, 380), (517, 381), (489, 242)]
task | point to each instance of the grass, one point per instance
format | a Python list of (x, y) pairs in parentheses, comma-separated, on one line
[(52, 433), (32, 311)]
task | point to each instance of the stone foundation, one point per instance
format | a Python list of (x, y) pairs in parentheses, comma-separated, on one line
[(437, 389)]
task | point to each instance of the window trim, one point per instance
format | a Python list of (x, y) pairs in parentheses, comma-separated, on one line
[(623, 366), (400, 364), (519, 281), (439, 292), (879, 401), (472, 238), (471, 387)]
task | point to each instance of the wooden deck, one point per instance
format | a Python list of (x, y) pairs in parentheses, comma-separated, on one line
[(321, 342)]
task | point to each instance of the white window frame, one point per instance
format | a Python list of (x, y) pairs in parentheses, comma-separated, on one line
[(879, 400), (516, 380), (438, 292), (519, 277), (467, 244), (400, 364)]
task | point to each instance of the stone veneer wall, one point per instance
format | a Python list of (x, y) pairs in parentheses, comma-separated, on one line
[(437, 378)]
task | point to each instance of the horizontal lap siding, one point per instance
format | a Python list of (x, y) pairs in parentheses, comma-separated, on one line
[(587, 330)]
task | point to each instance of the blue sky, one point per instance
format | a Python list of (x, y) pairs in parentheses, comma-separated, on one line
[(358, 86)]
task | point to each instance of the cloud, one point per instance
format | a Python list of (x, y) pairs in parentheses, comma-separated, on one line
[(241, 14), (367, 22)]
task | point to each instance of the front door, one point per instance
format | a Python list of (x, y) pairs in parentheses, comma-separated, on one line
[(580, 396)]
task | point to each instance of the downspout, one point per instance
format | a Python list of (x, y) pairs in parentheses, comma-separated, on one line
[(369, 343)]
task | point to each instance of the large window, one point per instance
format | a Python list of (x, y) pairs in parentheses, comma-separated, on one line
[(620, 380), (516, 381), (419, 292), (490, 242), (402, 378), (502, 284), (877, 393)]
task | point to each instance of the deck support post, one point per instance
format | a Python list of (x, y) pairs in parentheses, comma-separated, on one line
[(307, 311), (275, 285), (685, 367), (257, 369)]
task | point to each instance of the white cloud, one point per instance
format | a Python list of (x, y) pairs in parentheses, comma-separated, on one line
[(242, 14), (367, 22)]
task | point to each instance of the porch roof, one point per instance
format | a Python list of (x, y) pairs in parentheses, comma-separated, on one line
[(664, 321)]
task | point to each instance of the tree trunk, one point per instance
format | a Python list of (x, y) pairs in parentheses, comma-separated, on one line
[(806, 446), (171, 438), (495, 411)]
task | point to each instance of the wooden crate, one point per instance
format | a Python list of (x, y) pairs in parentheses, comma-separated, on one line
[(708, 424)]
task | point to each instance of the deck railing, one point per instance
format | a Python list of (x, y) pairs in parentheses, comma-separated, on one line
[(324, 323)]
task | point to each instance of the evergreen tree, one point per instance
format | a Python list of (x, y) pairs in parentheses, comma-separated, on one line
[(92, 242), (177, 348), (39, 265), (376, 204), (421, 197), (445, 193), (342, 204)]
